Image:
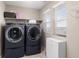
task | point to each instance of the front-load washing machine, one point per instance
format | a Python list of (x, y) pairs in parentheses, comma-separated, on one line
[(32, 40), (13, 41)]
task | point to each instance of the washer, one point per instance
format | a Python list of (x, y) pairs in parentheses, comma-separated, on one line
[(32, 40), (13, 41)]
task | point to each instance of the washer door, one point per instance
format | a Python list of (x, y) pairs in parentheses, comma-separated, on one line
[(14, 34), (33, 33)]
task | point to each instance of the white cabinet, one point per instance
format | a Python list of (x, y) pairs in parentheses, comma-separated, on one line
[(55, 48)]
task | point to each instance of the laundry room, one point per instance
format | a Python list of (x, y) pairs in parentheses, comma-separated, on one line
[(39, 29)]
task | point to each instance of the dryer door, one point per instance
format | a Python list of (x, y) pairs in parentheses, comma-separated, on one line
[(33, 33), (14, 34)]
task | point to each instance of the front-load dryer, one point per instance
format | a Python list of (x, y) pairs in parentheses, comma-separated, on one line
[(13, 41), (32, 41)]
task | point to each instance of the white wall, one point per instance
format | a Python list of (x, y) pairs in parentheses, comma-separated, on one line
[(23, 13), (73, 29), (2, 21), (49, 5)]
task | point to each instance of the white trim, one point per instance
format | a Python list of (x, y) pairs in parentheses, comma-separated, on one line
[(59, 3), (56, 5), (46, 11)]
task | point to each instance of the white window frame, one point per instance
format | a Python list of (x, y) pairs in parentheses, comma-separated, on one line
[(55, 6)]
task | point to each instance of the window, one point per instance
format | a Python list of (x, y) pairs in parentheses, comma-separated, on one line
[(60, 20), (47, 21)]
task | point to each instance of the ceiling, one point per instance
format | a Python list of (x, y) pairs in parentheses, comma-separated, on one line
[(28, 4)]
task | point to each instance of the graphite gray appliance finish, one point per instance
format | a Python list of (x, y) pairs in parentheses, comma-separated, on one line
[(13, 42), (32, 41)]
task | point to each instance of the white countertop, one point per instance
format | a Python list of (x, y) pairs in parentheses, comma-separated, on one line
[(57, 38)]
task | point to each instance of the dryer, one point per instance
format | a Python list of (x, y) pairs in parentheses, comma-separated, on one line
[(13, 41), (32, 40)]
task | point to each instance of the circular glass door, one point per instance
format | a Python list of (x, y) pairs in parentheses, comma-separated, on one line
[(14, 34), (34, 33)]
